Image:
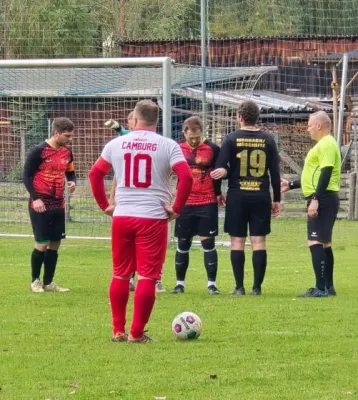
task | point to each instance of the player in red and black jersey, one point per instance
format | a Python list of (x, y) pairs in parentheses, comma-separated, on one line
[(253, 161), (200, 214), (46, 170)]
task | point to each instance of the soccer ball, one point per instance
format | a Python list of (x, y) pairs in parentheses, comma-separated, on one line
[(186, 325)]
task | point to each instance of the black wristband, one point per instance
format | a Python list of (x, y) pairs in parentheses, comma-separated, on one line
[(294, 185)]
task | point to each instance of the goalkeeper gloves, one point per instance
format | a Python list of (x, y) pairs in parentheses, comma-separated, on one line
[(112, 124)]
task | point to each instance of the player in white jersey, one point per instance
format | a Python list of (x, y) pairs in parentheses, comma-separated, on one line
[(143, 162)]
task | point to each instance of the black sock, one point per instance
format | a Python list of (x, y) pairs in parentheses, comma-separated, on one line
[(329, 267), (51, 257), (318, 261), (259, 262), (238, 264), (181, 265), (211, 264), (37, 258)]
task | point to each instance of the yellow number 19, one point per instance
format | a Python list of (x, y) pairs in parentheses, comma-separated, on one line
[(256, 165)]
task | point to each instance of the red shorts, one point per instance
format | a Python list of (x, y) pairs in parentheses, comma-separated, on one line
[(139, 245)]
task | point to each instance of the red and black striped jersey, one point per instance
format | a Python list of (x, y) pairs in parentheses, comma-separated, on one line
[(201, 161), (45, 173)]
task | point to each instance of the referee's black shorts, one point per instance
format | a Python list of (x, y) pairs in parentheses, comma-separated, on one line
[(48, 226), (320, 228), (247, 211)]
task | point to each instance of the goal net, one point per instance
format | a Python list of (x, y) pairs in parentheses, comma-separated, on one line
[(89, 92)]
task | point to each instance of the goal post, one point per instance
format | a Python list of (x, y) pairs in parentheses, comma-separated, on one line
[(164, 62), (89, 91)]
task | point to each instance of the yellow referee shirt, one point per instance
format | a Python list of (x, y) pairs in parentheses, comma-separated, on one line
[(325, 153)]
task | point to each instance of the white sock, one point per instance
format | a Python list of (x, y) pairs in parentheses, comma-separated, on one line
[(211, 283), (181, 283), (131, 281)]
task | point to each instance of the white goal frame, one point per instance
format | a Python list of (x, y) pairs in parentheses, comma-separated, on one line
[(164, 62)]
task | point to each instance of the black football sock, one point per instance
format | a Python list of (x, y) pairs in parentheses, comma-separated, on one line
[(238, 264), (318, 261), (329, 267), (37, 259), (51, 257), (181, 264), (211, 264), (259, 262)]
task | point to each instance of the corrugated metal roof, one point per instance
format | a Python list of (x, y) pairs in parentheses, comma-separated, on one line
[(267, 101), (50, 82)]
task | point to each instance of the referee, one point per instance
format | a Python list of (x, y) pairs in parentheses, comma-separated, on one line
[(320, 184)]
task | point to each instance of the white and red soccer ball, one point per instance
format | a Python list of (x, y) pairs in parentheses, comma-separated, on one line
[(186, 325)]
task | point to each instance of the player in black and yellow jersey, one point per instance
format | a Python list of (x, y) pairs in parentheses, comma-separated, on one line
[(251, 157)]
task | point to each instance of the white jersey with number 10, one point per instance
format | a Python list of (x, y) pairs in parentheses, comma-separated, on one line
[(142, 163)]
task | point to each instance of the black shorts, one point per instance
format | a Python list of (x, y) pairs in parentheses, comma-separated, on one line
[(201, 220), (320, 228), (243, 211), (48, 226)]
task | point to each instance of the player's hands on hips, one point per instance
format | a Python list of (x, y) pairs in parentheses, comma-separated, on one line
[(218, 173), (313, 209), (275, 208), (284, 186), (109, 210), (39, 206), (172, 215), (71, 186), (221, 200)]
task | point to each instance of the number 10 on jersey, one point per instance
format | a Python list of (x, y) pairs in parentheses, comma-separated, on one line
[(137, 170)]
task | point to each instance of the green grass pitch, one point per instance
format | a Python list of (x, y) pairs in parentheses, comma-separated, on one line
[(57, 346)]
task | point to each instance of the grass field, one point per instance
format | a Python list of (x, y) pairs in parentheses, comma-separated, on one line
[(57, 346)]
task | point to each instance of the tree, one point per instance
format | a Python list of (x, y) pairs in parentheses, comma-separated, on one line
[(162, 19), (57, 28), (228, 18)]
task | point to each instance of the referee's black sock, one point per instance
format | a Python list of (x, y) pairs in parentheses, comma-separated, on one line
[(37, 258), (329, 267), (51, 257), (181, 264), (238, 264), (319, 262), (259, 262)]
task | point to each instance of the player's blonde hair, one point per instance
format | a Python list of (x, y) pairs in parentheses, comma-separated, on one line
[(147, 112)]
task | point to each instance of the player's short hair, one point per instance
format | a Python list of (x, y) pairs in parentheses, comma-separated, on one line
[(147, 111), (130, 115), (193, 123), (249, 111), (62, 124)]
